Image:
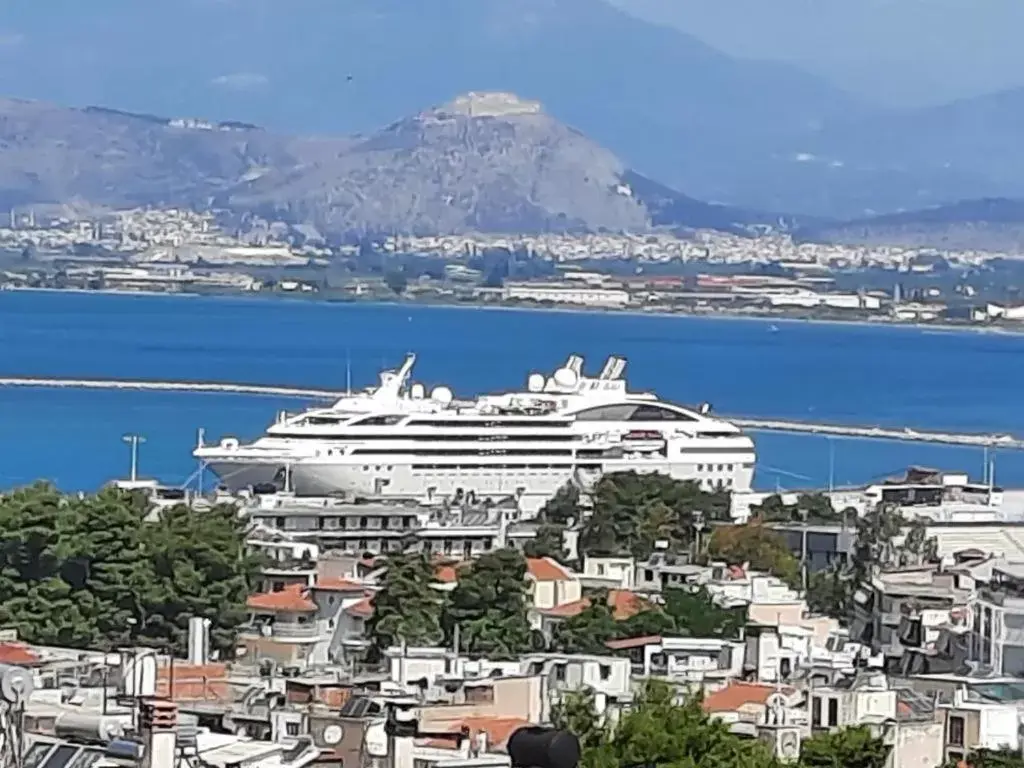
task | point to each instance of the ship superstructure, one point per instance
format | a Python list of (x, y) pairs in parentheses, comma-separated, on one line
[(399, 441)]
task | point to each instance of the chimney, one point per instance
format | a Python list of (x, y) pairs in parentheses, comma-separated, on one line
[(158, 720)]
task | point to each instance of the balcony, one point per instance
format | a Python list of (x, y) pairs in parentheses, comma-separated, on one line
[(291, 632), (288, 565)]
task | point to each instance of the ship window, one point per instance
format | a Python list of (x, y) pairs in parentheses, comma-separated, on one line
[(657, 413), (376, 421), (607, 413)]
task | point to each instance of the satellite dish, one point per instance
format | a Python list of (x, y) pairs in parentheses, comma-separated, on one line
[(535, 383), (442, 395), (418, 391), (566, 377)]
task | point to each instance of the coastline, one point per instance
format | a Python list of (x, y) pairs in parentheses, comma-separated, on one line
[(766, 317)]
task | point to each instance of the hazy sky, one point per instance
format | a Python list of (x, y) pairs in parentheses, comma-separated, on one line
[(899, 51), (907, 52)]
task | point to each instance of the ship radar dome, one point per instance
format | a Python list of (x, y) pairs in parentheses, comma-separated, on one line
[(418, 391), (535, 383), (442, 395), (566, 377)]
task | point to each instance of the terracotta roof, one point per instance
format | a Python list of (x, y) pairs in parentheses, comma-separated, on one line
[(18, 653), (624, 605), (291, 598), (498, 730), (737, 694), (195, 682), (633, 642), (363, 608), (546, 569), (339, 585)]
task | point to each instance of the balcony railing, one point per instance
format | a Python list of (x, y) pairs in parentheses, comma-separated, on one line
[(284, 631)]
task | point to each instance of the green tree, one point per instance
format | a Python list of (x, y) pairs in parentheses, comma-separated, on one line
[(631, 511), (406, 608), (846, 748), (558, 512), (696, 614), (758, 545), (489, 606), (201, 568), (877, 530), (830, 592), (588, 631), (101, 571), (659, 731)]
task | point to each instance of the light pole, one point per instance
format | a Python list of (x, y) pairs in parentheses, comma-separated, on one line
[(134, 441)]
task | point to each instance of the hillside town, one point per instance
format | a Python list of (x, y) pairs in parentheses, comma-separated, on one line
[(701, 272), (892, 612)]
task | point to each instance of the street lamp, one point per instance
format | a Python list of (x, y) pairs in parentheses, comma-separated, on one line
[(134, 441)]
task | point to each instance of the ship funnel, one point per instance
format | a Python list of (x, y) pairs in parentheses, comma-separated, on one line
[(575, 364)]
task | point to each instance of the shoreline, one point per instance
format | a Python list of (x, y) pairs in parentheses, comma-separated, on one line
[(770, 318)]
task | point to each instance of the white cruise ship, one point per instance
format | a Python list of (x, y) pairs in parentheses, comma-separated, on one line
[(397, 441)]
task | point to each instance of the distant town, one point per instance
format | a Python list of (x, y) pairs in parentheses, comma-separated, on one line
[(699, 272)]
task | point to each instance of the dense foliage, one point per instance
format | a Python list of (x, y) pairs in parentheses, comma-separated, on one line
[(97, 572), (485, 615), (632, 511), (489, 606), (657, 731), (846, 748), (757, 544), (406, 609), (684, 613), (558, 513)]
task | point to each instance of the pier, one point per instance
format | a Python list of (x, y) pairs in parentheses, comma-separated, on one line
[(756, 424)]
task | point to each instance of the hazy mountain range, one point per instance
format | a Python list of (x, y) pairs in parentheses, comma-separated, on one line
[(483, 162), (759, 135)]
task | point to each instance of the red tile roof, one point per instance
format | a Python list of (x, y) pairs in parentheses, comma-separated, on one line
[(339, 585), (624, 605), (633, 642), (292, 598), (546, 569), (18, 653), (363, 608), (498, 730), (737, 694)]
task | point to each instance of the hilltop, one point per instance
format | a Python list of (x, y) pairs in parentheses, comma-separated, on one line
[(993, 224), (482, 162)]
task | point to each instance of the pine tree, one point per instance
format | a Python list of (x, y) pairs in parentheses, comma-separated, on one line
[(489, 606), (406, 608)]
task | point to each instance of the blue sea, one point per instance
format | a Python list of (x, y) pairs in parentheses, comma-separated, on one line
[(925, 379)]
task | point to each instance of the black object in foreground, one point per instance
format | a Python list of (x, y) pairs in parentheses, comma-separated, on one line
[(537, 747)]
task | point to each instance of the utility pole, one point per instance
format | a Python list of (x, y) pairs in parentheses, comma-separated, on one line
[(134, 441)]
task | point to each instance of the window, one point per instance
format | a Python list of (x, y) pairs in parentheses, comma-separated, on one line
[(955, 734), (605, 671), (648, 574), (560, 672), (815, 712), (292, 729), (833, 712), (600, 569), (657, 413)]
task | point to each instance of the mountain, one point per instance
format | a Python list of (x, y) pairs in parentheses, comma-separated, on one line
[(669, 105), (483, 162), (993, 224)]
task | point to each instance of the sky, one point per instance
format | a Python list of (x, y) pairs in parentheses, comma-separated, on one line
[(897, 52), (900, 52)]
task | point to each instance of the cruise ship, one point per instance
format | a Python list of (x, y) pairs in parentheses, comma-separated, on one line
[(398, 441)]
